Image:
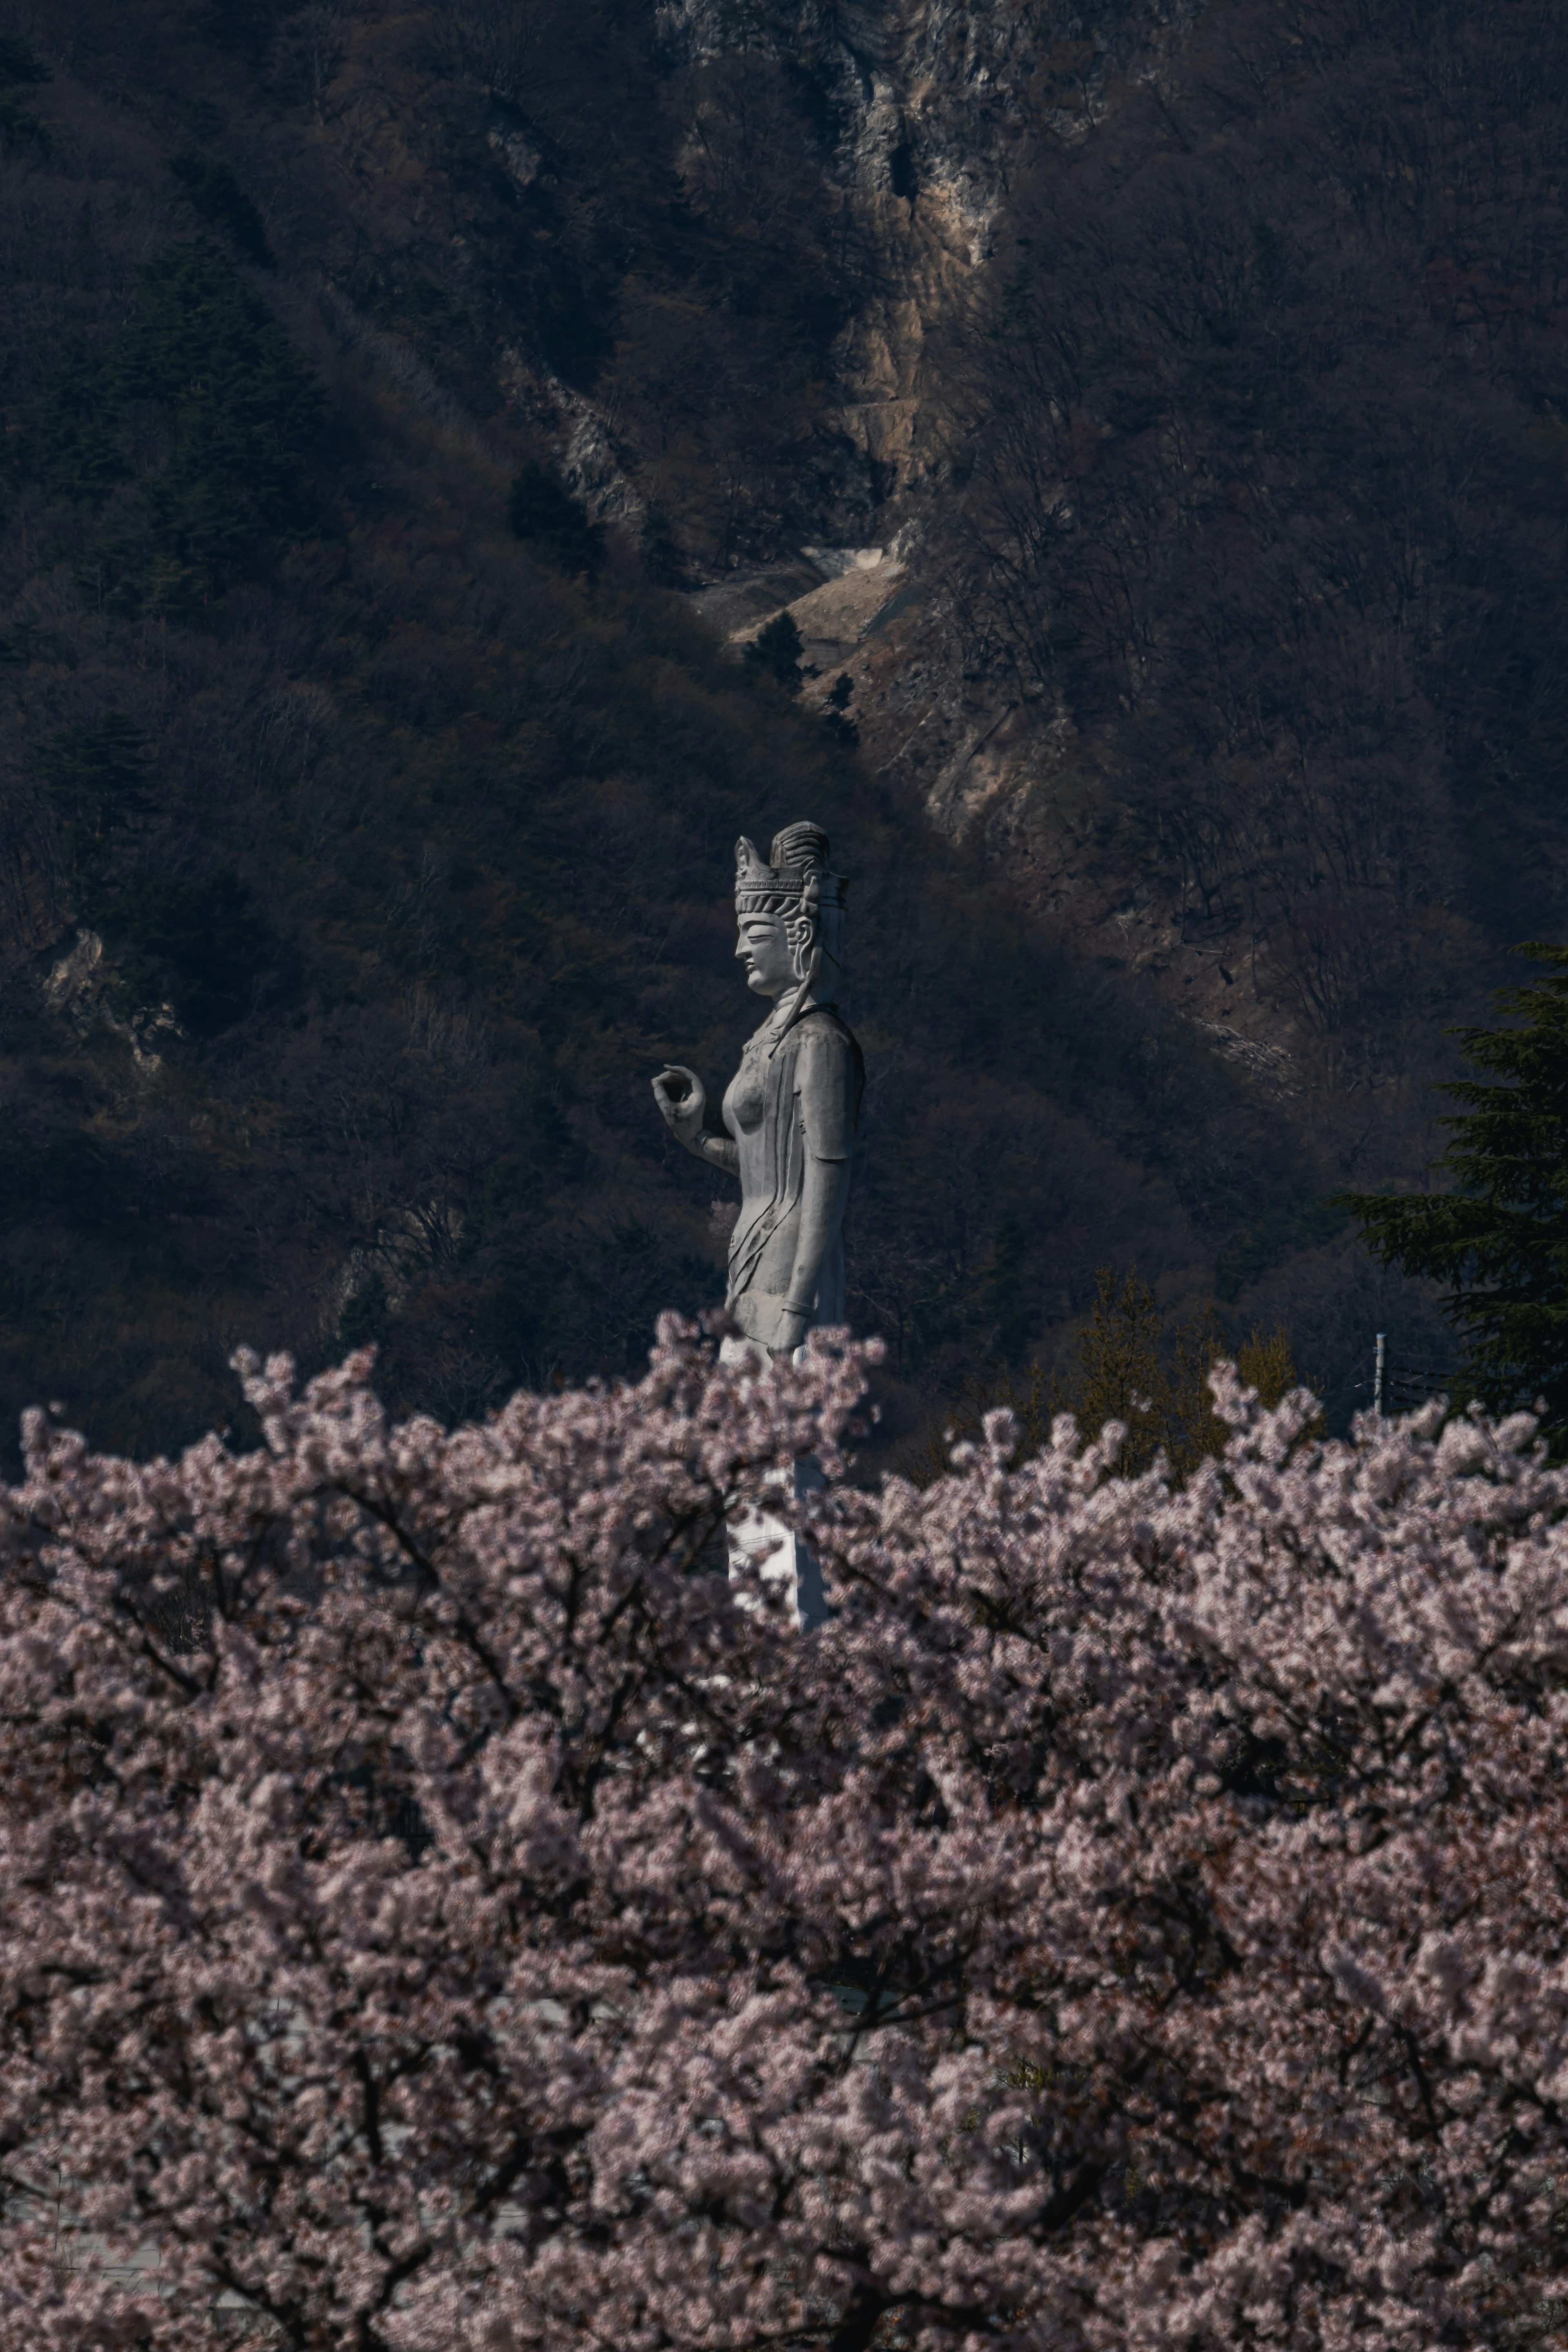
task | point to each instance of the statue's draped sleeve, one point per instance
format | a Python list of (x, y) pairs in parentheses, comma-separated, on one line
[(827, 1083)]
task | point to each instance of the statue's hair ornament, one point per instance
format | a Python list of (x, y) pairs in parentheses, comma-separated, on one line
[(795, 884), (793, 876)]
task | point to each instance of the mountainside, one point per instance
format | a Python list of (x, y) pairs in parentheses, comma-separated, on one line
[(1154, 413), (1218, 589)]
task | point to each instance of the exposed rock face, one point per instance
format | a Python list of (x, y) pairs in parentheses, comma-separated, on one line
[(928, 105), (933, 106), (76, 977), (520, 158), (82, 986), (931, 109), (836, 596)]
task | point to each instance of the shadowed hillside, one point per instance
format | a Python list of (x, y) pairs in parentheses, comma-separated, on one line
[(367, 817)]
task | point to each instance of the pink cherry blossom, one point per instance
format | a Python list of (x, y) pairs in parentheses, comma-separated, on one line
[(435, 1918)]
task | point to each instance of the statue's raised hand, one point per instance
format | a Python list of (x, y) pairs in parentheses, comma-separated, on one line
[(680, 1095)]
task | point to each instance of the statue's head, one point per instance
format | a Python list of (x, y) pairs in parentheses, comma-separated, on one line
[(790, 912)]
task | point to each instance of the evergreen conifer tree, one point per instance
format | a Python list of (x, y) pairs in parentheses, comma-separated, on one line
[(202, 400), (96, 776), (21, 68), (542, 511), (776, 652), (1498, 1237), (835, 716), (218, 199)]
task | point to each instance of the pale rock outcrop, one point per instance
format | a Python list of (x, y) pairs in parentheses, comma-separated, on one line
[(836, 595), (79, 987), (935, 104), (936, 107)]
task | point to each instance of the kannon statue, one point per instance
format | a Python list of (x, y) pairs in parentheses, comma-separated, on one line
[(787, 1130), (791, 1109)]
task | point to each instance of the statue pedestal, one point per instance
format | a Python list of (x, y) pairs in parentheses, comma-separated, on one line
[(764, 1547)]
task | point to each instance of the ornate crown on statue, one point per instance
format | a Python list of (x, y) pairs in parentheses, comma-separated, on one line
[(793, 883), (791, 879)]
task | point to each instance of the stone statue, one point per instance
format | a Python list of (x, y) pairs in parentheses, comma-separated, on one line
[(789, 1118)]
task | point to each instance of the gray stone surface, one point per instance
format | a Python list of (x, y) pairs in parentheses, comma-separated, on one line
[(786, 1132)]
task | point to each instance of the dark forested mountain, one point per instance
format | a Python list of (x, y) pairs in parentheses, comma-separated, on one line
[(1151, 420)]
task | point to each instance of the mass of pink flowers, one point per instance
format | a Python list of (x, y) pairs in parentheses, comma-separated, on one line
[(435, 1918)]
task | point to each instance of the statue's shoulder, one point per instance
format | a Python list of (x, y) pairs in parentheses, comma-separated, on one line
[(822, 1028), (822, 1034), (825, 1044)]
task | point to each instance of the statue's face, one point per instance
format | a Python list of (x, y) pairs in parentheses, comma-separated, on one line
[(762, 949)]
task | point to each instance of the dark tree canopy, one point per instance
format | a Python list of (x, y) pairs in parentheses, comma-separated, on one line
[(774, 652), (218, 199), (542, 511), (201, 401), (1498, 1237)]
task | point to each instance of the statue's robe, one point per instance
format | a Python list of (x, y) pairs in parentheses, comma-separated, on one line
[(794, 1098)]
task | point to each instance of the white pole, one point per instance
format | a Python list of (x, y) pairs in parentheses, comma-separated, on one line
[(1382, 1363)]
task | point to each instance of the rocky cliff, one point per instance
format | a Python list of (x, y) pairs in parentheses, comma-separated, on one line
[(927, 112), (1210, 413)]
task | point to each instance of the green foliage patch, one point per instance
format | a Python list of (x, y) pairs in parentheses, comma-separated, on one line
[(542, 511), (22, 132), (96, 774), (202, 943), (1497, 1239), (201, 401), (218, 198), (20, 62), (836, 715), (1268, 1239), (776, 652), (1131, 1363)]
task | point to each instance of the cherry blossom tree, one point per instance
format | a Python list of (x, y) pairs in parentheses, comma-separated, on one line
[(435, 1918)]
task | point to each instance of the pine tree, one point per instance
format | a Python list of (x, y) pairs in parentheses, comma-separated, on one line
[(217, 196), (835, 714), (1127, 1365), (243, 412), (21, 131), (20, 62), (96, 776), (204, 381), (542, 511), (776, 652), (1498, 1237)]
